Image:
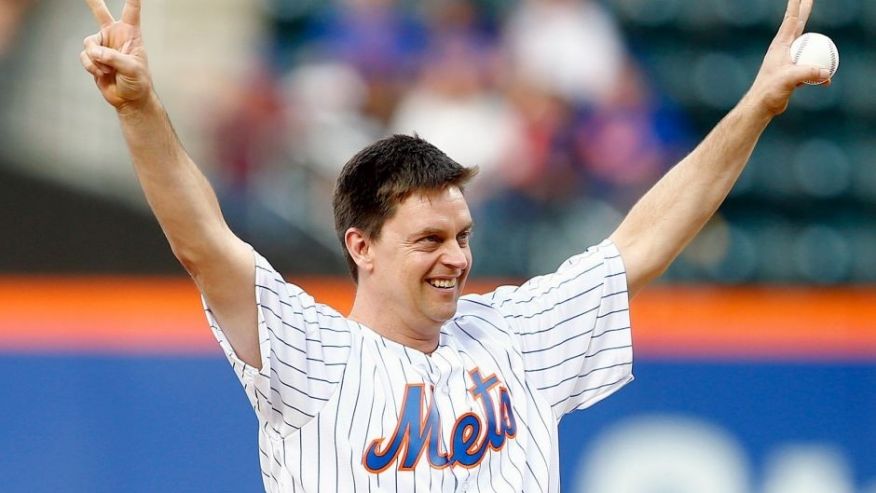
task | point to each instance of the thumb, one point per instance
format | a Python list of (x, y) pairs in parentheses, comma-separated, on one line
[(811, 74)]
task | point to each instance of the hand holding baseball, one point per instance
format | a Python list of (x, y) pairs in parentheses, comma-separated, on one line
[(818, 50), (779, 75), (115, 55)]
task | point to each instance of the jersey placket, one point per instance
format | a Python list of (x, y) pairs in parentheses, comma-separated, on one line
[(454, 400)]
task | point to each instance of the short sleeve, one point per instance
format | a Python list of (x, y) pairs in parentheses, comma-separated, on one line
[(573, 328), (304, 348)]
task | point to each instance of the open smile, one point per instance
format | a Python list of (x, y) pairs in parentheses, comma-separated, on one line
[(443, 283)]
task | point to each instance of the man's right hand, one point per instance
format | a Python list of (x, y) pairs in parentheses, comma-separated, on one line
[(180, 196), (115, 56)]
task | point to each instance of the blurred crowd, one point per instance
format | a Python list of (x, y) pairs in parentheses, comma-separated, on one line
[(570, 108), (12, 14), (544, 96)]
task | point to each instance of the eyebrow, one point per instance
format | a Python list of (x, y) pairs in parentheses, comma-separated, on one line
[(437, 231)]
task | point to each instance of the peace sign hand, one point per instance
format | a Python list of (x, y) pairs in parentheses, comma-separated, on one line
[(115, 55), (779, 76)]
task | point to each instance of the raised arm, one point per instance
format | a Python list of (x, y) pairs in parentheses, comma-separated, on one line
[(669, 215), (178, 193)]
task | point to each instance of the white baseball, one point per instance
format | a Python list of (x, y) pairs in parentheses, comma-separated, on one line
[(815, 49)]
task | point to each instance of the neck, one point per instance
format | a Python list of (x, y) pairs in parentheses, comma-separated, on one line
[(387, 322)]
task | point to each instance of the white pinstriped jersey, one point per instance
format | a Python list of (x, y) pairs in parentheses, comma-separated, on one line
[(342, 408)]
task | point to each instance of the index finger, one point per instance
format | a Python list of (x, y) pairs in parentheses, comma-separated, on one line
[(803, 16), (788, 30), (131, 12), (793, 8), (101, 13)]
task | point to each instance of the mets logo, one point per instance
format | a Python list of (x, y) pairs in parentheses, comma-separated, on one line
[(418, 431)]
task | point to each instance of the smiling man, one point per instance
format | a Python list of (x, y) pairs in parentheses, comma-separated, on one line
[(419, 387)]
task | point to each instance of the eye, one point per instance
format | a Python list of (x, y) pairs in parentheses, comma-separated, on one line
[(432, 239), (463, 238)]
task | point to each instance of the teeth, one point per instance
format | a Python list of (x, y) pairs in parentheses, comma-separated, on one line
[(443, 283)]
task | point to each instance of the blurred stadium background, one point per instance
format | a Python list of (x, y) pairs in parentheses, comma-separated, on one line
[(756, 351)]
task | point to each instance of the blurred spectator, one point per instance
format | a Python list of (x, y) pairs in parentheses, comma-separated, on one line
[(624, 143), (249, 136), (11, 17), (547, 160), (248, 139), (538, 181), (326, 102), (379, 39), (571, 48), (549, 105), (454, 104)]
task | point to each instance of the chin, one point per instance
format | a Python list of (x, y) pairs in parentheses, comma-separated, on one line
[(444, 313)]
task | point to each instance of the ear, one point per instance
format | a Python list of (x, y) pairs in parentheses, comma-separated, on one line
[(359, 246)]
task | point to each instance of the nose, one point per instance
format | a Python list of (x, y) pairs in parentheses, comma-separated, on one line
[(455, 256)]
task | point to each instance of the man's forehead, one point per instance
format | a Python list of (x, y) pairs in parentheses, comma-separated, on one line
[(435, 208), (449, 197)]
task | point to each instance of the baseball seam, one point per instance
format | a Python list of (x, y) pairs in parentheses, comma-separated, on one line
[(833, 60), (803, 43)]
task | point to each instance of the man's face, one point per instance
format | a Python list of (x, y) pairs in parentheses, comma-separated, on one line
[(422, 258)]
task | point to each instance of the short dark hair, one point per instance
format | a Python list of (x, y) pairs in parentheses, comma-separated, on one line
[(381, 176)]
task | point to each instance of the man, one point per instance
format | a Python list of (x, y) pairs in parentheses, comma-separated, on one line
[(419, 387)]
